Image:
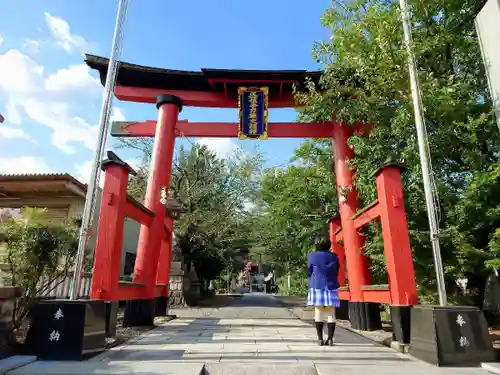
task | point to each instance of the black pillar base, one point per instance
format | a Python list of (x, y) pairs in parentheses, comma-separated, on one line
[(111, 317), (342, 312), (365, 316), (161, 304), (67, 330), (450, 336), (139, 312), (401, 324)]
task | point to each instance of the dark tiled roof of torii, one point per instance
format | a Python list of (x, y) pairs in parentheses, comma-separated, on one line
[(207, 80)]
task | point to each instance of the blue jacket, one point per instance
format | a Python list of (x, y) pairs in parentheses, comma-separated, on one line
[(323, 270)]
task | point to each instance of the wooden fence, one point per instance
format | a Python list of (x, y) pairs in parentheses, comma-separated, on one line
[(60, 288)]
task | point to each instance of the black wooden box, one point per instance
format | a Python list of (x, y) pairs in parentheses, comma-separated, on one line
[(66, 330), (450, 336)]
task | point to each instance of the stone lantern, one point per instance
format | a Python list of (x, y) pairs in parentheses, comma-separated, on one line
[(174, 211), (174, 208)]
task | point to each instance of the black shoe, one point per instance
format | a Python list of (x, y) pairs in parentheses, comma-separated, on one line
[(329, 342), (319, 331), (331, 331)]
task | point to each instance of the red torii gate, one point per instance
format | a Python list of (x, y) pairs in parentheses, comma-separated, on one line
[(171, 90)]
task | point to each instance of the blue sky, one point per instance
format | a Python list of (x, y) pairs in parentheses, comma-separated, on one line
[(51, 100)]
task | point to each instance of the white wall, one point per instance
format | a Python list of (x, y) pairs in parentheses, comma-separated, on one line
[(130, 232), (488, 30)]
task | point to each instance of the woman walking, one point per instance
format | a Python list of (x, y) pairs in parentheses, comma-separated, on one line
[(323, 272)]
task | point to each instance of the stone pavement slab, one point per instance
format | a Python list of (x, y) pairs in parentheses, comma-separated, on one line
[(239, 369), (111, 368), (255, 335), (11, 363), (418, 369), (492, 367)]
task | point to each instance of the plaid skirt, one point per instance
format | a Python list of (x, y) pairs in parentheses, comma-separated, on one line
[(325, 297)]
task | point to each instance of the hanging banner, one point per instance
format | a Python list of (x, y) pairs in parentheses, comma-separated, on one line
[(252, 102)]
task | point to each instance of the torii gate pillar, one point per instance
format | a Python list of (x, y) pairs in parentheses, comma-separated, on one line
[(142, 312)]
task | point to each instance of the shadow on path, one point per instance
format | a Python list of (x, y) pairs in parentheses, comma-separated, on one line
[(253, 328)]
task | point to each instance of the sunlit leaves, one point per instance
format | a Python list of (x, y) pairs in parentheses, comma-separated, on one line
[(37, 254), (367, 43), (214, 193)]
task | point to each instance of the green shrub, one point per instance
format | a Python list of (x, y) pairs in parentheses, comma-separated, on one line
[(298, 284), (38, 256)]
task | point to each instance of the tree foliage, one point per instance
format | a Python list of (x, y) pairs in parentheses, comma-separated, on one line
[(366, 80), (38, 256), (295, 205), (213, 229)]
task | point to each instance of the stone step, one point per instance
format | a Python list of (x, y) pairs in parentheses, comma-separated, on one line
[(493, 367), (16, 361), (109, 368), (259, 369)]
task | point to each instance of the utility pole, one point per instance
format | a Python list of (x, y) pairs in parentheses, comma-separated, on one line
[(106, 107), (423, 147)]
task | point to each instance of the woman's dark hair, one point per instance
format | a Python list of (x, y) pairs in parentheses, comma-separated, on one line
[(322, 243)]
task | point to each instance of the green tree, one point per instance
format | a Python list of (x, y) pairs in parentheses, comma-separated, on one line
[(366, 80), (212, 230), (295, 206), (38, 255)]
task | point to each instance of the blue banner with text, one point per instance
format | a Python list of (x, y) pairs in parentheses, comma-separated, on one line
[(253, 102)]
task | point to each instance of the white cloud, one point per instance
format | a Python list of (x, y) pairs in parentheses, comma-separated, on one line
[(134, 163), (117, 115), (24, 165), (48, 99), (8, 132), (19, 74), (31, 46), (221, 146), (75, 77), (65, 128), (1, 39), (61, 33), (83, 173), (12, 112)]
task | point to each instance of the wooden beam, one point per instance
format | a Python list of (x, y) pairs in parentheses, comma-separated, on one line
[(129, 291), (376, 293), (185, 128), (193, 98), (366, 215), (54, 201), (144, 217), (344, 294)]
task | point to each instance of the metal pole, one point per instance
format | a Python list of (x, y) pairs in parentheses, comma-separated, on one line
[(93, 186), (424, 161)]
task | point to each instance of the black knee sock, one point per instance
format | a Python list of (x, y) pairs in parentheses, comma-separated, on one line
[(319, 330), (331, 330)]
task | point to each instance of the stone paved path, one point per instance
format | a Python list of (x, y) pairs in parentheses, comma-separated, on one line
[(252, 336)]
